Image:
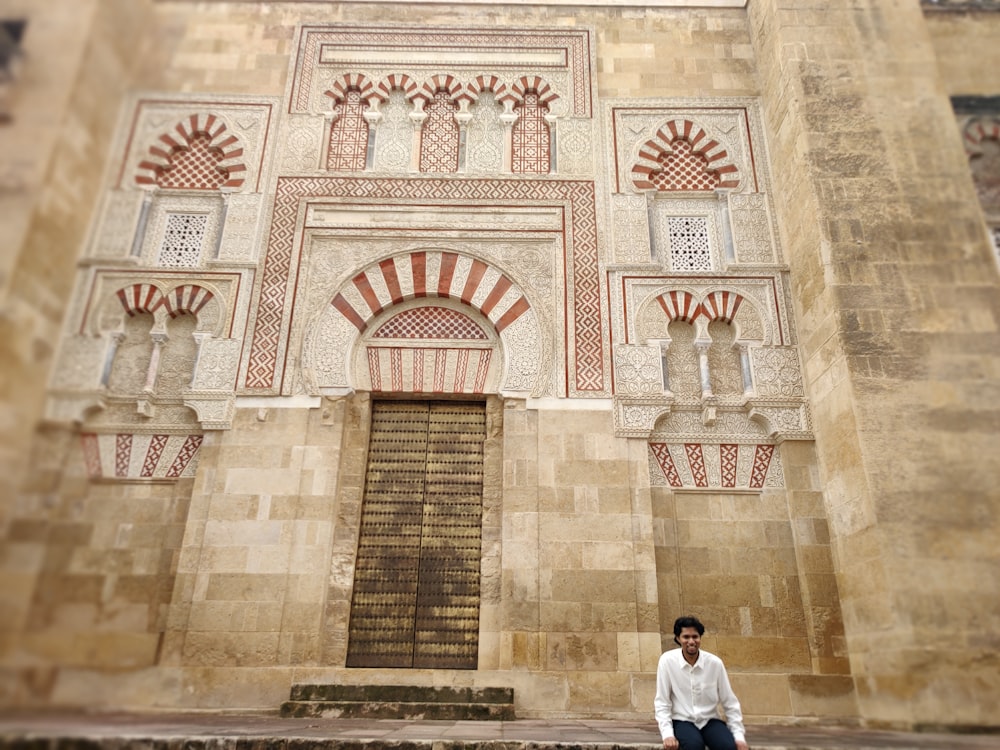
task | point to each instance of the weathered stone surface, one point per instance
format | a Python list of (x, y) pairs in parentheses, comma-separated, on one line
[(185, 418)]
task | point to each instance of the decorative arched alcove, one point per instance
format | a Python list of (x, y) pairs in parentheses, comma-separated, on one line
[(426, 321)]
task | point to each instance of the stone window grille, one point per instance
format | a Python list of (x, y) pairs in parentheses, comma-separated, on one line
[(440, 136), (182, 240), (531, 148), (690, 249), (349, 135)]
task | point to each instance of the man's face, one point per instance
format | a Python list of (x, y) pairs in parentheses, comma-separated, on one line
[(690, 643)]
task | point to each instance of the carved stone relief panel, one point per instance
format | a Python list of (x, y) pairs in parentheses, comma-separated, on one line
[(541, 234), (724, 368), (575, 152), (638, 370), (394, 141), (485, 136), (119, 218), (300, 144), (753, 229), (777, 372), (630, 229), (563, 57), (218, 365), (132, 356), (180, 350), (683, 375), (242, 233)]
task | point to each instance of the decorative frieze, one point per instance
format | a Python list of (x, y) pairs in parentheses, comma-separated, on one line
[(736, 466), (141, 456), (563, 57)]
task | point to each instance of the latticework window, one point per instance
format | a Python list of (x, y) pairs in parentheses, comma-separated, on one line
[(194, 168), (430, 323), (182, 240), (689, 244), (439, 137), (530, 145), (348, 136)]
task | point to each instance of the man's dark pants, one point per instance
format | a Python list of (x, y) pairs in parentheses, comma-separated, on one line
[(715, 736)]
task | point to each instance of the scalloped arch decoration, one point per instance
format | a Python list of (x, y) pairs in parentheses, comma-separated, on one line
[(187, 299), (200, 146), (443, 82), (140, 298), (682, 156), (679, 305), (351, 82), (148, 298), (977, 130), (537, 85), (391, 83), (491, 83), (719, 305)]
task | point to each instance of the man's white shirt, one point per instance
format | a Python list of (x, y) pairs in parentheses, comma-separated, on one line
[(693, 693)]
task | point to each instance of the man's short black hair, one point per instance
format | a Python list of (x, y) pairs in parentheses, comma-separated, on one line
[(687, 622)]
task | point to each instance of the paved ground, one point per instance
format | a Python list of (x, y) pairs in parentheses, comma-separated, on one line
[(203, 730)]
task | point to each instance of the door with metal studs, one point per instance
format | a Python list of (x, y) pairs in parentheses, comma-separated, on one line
[(416, 587)]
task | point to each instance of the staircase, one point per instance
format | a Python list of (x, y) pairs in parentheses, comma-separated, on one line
[(400, 702)]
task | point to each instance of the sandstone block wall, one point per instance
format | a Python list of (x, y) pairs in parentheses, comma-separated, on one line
[(222, 587), (877, 270)]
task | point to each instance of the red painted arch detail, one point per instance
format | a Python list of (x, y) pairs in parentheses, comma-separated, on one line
[(390, 276), (718, 164), (226, 148)]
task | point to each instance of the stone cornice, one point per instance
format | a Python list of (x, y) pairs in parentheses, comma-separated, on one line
[(606, 3)]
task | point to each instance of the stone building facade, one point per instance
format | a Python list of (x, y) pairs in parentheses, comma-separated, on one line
[(382, 343)]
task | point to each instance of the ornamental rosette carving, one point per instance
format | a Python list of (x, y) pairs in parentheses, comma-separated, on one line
[(218, 365), (638, 371), (776, 372)]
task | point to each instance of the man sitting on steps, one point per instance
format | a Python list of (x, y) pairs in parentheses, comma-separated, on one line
[(690, 686)]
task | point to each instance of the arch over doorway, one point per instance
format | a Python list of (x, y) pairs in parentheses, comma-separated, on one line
[(442, 296)]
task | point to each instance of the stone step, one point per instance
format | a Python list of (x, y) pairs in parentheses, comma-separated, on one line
[(340, 701), (412, 710), (401, 693)]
